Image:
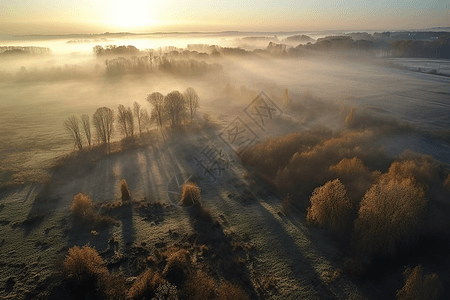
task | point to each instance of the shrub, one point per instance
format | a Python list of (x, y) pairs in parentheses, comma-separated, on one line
[(82, 206), (330, 207), (177, 267), (145, 285), (125, 191), (391, 212), (83, 264), (355, 176), (199, 286), (419, 286), (422, 168), (311, 166), (353, 166), (228, 291), (190, 194)]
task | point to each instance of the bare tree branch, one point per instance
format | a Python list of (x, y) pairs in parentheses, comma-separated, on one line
[(192, 99), (72, 125)]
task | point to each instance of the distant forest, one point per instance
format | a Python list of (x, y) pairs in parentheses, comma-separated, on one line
[(18, 50)]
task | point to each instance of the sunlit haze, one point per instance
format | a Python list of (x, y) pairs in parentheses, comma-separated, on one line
[(83, 16)]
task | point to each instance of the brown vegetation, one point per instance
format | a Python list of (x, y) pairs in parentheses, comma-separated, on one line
[(125, 191), (83, 209), (391, 213), (145, 285), (420, 286), (356, 177), (190, 194), (306, 157), (177, 266), (83, 265), (331, 207), (228, 291), (82, 206), (421, 168), (199, 286)]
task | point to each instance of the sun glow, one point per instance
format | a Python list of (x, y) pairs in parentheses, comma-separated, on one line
[(132, 14)]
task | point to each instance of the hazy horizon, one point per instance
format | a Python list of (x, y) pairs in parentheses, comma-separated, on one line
[(82, 16)]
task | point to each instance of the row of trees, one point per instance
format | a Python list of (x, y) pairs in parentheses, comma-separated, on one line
[(175, 107)]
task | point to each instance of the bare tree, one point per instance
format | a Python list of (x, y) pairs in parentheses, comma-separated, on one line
[(122, 120), (137, 115), (130, 122), (87, 128), (72, 125), (191, 98), (103, 121), (145, 119), (156, 100), (175, 107)]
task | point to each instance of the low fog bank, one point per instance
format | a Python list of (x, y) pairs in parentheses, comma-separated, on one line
[(324, 84)]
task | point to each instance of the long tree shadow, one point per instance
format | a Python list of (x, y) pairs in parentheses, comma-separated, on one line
[(226, 257), (304, 266)]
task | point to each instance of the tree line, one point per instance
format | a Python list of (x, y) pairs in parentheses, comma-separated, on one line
[(175, 107)]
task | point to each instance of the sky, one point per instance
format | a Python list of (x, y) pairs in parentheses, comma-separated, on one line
[(88, 16)]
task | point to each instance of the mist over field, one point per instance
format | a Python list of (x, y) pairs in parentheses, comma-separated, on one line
[(339, 188), (40, 90)]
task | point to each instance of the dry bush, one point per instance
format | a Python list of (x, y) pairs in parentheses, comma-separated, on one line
[(114, 286), (356, 177), (190, 194), (421, 168), (177, 266), (145, 285), (84, 265), (126, 196), (275, 153), (311, 167), (391, 213), (82, 206), (199, 286), (228, 291), (419, 286), (306, 157), (331, 207), (350, 167)]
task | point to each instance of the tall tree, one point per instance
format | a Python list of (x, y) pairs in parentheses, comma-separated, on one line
[(103, 121), (145, 119), (130, 122), (156, 100), (72, 125), (87, 128), (175, 107), (191, 98), (137, 115), (122, 120)]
